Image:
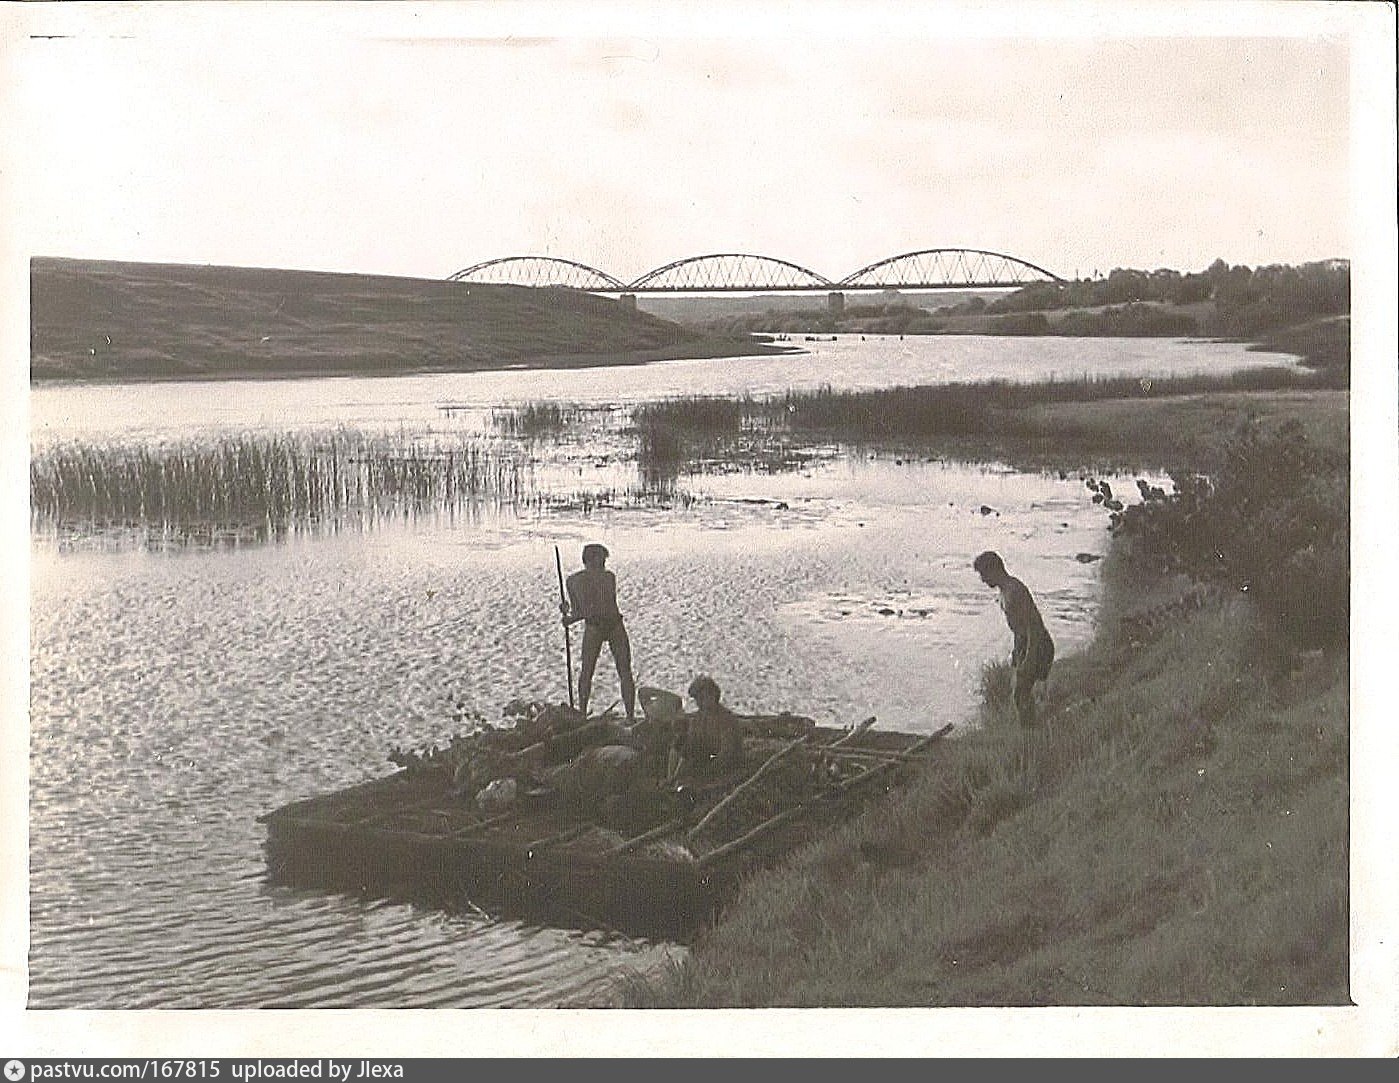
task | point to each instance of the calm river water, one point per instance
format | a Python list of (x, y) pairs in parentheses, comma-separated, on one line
[(177, 691)]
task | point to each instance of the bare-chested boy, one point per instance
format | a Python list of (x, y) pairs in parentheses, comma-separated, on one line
[(1033, 651), (592, 598)]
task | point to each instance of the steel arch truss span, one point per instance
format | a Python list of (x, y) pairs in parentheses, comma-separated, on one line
[(539, 271), (729, 271), (940, 268)]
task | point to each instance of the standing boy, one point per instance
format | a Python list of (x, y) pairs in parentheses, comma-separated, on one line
[(592, 598), (1033, 650)]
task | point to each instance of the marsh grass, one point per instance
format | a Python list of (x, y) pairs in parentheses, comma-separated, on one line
[(276, 479), (633, 497), (244, 488), (985, 408), (1173, 833), (536, 420), (1088, 423)]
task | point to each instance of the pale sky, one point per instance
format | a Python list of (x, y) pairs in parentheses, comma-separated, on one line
[(419, 139)]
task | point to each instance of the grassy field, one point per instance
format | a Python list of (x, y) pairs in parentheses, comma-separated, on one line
[(117, 321), (1174, 832), (1181, 427)]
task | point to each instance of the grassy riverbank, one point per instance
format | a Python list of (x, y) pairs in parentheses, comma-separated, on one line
[(1103, 421), (1174, 832), (96, 320)]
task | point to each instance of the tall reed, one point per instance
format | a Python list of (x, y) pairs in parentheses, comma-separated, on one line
[(535, 419), (278, 478)]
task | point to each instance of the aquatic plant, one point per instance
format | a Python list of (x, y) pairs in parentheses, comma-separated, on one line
[(277, 479), (250, 487), (535, 419), (981, 408)]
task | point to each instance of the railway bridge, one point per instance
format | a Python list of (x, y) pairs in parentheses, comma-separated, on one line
[(744, 272)]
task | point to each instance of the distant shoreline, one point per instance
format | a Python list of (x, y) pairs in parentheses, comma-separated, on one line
[(102, 322), (549, 362)]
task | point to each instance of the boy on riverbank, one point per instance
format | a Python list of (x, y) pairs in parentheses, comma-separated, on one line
[(592, 598), (1033, 651)]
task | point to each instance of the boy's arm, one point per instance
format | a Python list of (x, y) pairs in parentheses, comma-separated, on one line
[(675, 758), (732, 751), (570, 610)]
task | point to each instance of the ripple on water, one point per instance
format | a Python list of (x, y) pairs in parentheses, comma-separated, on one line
[(177, 696)]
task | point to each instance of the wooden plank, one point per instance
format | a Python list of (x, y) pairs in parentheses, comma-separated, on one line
[(872, 754), (744, 786), (847, 738), (490, 821), (748, 783), (881, 768), (553, 840), (396, 810), (769, 825), (657, 832)]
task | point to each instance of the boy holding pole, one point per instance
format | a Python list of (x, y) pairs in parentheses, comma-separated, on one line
[(592, 598)]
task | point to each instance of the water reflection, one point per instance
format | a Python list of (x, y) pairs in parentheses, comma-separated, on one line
[(232, 491)]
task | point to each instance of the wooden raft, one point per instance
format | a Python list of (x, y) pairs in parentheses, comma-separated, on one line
[(406, 835)]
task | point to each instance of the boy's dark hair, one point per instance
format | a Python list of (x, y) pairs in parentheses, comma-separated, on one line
[(703, 683), (989, 561), (593, 551)]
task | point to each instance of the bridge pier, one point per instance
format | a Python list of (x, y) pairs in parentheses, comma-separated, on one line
[(627, 301), (835, 303)]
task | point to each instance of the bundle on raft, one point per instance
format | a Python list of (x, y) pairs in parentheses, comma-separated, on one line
[(571, 821)]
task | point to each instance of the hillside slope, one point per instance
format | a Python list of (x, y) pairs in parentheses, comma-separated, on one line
[(107, 320)]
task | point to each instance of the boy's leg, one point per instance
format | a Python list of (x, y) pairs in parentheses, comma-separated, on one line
[(1025, 697), (1039, 657), (592, 647), (621, 654)]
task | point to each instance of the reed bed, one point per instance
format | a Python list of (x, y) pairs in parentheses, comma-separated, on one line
[(535, 419), (645, 496), (276, 479), (963, 409)]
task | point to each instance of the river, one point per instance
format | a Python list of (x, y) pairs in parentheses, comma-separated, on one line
[(180, 688)]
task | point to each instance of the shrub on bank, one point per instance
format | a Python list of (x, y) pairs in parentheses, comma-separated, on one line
[(1273, 523), (1138, 319)]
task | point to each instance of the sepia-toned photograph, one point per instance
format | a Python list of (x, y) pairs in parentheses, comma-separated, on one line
[(629, 508)]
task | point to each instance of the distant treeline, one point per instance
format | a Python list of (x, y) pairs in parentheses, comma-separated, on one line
[(1221, 301), (1245, 300)]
